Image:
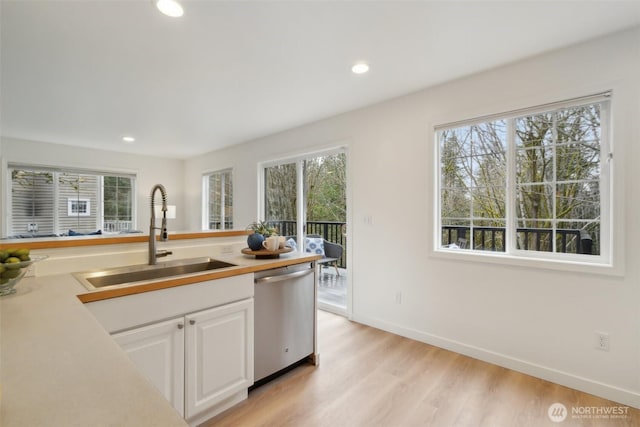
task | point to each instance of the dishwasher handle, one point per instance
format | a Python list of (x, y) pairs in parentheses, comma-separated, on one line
[(281, 277)]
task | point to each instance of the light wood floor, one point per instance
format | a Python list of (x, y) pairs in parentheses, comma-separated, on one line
[(369, 378)]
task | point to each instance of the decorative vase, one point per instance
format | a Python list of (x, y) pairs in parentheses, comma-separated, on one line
[(254, 241)]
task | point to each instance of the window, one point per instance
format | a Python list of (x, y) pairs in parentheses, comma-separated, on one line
[(218, 201), (51, 201), (117, 197), (78, 207), (532, 183)]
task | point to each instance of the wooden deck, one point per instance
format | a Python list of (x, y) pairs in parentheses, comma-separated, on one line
[(332, 289)]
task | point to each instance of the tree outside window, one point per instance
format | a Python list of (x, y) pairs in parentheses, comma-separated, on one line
[(552, 163), (118, 202)]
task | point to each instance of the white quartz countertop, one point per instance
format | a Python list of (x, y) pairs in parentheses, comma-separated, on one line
[(59, 367)]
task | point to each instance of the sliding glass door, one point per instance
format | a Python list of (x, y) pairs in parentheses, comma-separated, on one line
[(306, 197), (281, 196)]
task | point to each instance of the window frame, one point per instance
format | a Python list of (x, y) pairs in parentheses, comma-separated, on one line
[(132, 190), (602, 263), (74, 204), (58, 211), (206, 201)]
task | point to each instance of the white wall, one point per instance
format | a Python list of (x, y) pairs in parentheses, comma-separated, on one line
[(532, 319), (535, 320), (149, 170)]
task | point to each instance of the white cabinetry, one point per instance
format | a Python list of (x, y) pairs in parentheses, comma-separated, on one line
[(219, 355), (194, 342), (158, 351)]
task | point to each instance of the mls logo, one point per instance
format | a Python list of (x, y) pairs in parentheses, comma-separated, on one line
[(557, 412)]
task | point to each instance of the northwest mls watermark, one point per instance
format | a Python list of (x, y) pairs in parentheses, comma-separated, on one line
[(558, 412)]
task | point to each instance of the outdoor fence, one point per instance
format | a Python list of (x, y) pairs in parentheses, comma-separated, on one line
[(111, 226), (217, 225), (540, 239), (331, 231), (484, 238)]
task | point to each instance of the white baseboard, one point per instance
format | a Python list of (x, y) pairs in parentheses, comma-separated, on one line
[(606, 391), (341, 311)]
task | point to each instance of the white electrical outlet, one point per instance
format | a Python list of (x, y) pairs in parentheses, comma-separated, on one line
[(602, 341), (227, 249)]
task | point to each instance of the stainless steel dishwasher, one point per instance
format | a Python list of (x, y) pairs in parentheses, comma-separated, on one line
[(284, 313)]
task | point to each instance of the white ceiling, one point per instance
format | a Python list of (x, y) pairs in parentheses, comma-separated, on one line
[(87, 72)]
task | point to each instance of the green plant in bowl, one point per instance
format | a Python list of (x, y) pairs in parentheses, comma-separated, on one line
[(262, 227)]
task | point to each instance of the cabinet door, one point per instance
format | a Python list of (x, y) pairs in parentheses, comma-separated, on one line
[(219, 354), (158, 351)]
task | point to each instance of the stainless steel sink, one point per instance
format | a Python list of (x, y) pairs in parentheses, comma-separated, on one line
[(144, 272)]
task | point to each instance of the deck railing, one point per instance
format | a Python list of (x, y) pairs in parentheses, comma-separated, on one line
[(217, 225), (493, 239), (484, 238), (111, 226), (331, 231)]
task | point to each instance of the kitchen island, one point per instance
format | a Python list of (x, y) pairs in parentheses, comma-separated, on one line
[(60, 367)]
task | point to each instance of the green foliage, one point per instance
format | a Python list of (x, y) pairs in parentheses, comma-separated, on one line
[(557, 172), (325, 190), (27, 178), (117, 198), (281, 200), (326, 187), (262, 227)]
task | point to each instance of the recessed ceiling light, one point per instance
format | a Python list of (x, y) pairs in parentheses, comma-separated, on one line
[(128, 139), (170, 8), (360, 68)]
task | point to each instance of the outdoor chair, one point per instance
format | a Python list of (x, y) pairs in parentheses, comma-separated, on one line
[(331, 253), (462, 243)]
